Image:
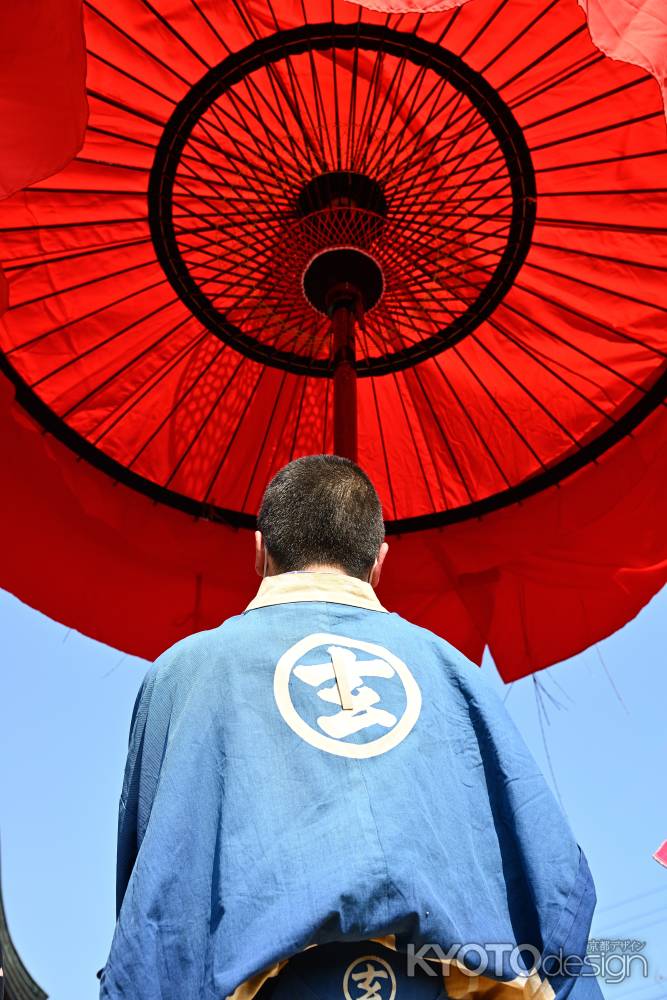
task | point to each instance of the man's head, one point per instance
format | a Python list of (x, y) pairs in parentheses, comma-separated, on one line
[(321, 512)]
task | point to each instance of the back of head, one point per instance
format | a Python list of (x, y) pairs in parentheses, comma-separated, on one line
[(322, 510)]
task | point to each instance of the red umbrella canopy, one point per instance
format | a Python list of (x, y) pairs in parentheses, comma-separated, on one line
[(499, 181)]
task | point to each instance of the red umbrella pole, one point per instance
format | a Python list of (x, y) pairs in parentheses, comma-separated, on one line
[(345, 383)]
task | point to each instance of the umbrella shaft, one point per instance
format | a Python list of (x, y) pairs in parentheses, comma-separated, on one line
[(345, 384)]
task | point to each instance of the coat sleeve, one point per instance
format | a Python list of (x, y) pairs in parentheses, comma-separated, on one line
[(128, 810)]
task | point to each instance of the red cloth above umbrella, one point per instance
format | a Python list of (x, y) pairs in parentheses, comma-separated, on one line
[(165, 339), (43, 108)]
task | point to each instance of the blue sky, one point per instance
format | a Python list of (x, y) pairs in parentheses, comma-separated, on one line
[(65, 705)]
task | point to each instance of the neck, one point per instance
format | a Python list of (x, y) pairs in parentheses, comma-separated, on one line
[(313, 568)]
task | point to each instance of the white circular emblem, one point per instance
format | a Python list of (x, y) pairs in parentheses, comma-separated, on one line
[(369, 978), (338, 683)]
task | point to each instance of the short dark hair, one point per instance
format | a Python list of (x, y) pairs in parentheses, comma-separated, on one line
[(322, 510)]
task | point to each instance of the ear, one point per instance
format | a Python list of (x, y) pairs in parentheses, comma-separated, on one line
[(377, 565), (260, 554)]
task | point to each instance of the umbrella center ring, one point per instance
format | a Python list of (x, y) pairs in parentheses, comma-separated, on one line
[(336, 159)]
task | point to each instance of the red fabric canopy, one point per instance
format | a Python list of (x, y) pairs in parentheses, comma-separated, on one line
[(152, 329)]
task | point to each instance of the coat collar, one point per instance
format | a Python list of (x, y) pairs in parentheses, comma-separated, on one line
[(290, 588)]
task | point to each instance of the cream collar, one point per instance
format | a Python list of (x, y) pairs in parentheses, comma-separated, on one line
[(290, 588)]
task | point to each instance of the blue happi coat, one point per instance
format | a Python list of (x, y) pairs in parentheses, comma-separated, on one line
[(317, 770)]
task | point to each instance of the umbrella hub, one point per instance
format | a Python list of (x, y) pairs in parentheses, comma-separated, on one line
[(343, 215), (343, 277)]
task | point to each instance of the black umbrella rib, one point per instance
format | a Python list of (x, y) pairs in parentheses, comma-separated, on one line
[(114, 336), (622, 88), (519, 35), (539, 360), (572, 137), (404, 135), (600, 288), (496, 400), (557, 79), (89, 315), (124, 408), (103, 343), (65, 414), (602, 192), (175, 32), (232, 439), (464, 410), (592, 225), (352, 103), (588, 319), (204, 423), (575, 164), (416, 450), (383, 445), (571, 345), (209, 23), (275, 82), (63, 290), (320, 110), (626, 262), (171, 412), (74, 224), (561, 43), (363, 140), (45, 260), (135, 43), (124, 71), (443, 434), (426, 436), (268, 430), (610, 127)]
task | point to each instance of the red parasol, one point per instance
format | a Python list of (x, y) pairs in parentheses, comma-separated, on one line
[(462, 213)]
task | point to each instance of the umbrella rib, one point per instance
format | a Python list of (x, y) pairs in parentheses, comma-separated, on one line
[(561, 43), (63, 290), (597, 287), (600, 256), (166, 23), (103, 343), (151, 53), (45, 260), (352, 104), (320, 110), (133, 400), (520, 34), (120, 371), (178, 402), (362, 142), (499, 406), (203, 425), (230, 443), (415, 447), (383, 445), (268, 427), (426, 437), (472, 423), (551, 370), (94, 312), (443, 435), (300, 104)]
